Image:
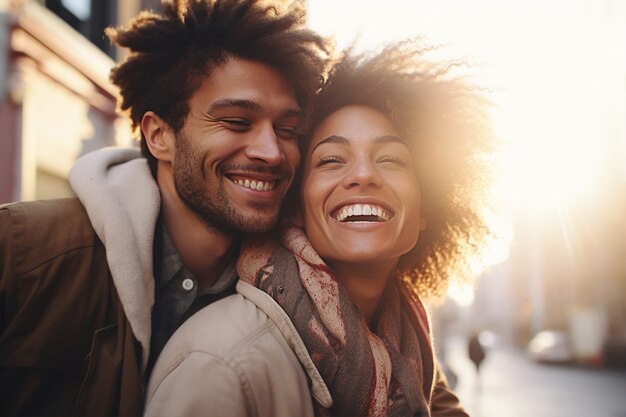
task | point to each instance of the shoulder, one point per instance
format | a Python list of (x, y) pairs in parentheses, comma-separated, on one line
[(51, 215), (229, 329), (231, 347), (39, 231)]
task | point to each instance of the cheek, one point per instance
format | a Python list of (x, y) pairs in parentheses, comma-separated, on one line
[(407, 188), (186, 156), (292, 154), (415, 208), (411, 199), (312, 198), (307, 200), (312, 216)]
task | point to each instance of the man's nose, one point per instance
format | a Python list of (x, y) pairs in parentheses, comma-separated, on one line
[(265, 146)]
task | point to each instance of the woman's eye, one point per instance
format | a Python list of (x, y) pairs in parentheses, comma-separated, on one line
[(393, 159), (238, 125), (326, 160)]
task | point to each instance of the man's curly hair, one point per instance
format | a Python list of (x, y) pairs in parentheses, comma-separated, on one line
[(446, 121), (173, 52)]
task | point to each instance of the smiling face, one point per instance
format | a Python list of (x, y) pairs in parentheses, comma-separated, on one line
[(360, 194), (238, 149)]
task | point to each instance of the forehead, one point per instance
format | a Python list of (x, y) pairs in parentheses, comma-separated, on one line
[(254, 81), (357, 123)]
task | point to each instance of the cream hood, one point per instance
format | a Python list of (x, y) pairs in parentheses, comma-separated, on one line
[(122, 200)]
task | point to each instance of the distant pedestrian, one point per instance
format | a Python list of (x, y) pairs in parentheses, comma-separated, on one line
[(475, 351)]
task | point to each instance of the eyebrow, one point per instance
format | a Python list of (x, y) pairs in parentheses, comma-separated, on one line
[(380, 140), (229, 103), (390, 139), (235, 103)]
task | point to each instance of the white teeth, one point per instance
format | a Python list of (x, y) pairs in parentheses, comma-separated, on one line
[(256, 185), (362, 210)]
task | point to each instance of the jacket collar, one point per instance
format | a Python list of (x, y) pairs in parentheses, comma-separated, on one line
[(122, 201), (265, 303)]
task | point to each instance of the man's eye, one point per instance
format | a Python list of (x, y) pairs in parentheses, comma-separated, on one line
[(286, 132), (239, 125)]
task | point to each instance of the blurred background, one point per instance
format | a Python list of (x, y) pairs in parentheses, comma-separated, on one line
[(546, 324)]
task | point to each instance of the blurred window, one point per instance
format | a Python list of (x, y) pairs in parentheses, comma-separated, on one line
[(80, 8), (89, 17)]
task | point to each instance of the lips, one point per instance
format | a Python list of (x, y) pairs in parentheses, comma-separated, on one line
[(362, 213)]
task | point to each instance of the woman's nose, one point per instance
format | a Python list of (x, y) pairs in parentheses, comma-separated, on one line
[(363, 173)]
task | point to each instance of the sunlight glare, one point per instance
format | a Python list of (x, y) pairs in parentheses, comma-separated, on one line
[(463, 295), (559, 70)]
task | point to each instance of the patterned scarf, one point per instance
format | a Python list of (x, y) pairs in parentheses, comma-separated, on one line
[(368, 373)]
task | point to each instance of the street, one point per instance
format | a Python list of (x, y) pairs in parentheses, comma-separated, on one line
[(511, 385)]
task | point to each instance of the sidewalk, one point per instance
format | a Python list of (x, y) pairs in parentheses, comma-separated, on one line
[(511, 385)]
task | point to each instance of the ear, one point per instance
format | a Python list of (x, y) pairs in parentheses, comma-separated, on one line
[(159, 136)]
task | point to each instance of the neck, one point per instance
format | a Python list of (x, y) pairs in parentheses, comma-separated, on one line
[(204, 252), (365, 282)]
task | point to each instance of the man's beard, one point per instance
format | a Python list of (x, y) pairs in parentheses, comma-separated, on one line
[(206, 197)]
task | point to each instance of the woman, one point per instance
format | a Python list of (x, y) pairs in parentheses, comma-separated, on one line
[(391, 204)]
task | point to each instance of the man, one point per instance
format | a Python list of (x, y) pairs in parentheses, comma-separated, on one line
[(92, 288)]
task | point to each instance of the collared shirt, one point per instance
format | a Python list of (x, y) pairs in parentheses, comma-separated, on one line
[(177, 295)]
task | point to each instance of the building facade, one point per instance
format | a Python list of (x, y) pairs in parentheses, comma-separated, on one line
[(56, 102)]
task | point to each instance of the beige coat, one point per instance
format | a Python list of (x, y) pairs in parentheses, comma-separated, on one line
[(242, 356)]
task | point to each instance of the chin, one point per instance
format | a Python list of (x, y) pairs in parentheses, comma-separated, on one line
[(252, 219), (349, 255), (256, 225)]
